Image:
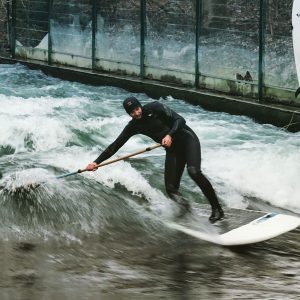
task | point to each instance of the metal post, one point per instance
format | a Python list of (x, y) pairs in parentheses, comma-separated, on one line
[(198, 17), (262, 16), (8, 23), (49, 32), (94, 30), (13, 29), (142, 39)]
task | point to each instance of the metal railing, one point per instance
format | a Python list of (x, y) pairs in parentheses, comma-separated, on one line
[(200, 43)]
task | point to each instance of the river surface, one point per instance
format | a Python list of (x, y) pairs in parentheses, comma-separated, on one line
[(101, 235)]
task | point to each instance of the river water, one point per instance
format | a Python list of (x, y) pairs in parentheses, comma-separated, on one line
[(100, 235)]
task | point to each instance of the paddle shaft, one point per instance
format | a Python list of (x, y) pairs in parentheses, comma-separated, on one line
[(113, 160)]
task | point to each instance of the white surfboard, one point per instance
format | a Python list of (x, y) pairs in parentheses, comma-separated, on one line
[(261, 229), (296, 38)]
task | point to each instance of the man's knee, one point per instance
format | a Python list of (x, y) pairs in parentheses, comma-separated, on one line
[(194, 172)]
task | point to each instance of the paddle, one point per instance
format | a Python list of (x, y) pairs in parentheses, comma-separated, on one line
[(112, 161), (36, 185)]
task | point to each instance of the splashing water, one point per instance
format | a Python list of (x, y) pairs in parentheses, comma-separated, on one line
[(50, 127)]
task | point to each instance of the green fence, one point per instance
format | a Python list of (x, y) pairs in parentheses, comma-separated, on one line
[(238, 47), (4, 36)]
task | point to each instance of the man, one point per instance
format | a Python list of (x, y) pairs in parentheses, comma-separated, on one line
[(182, 146)]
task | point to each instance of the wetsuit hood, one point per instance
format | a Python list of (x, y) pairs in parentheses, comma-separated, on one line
[(130, 104)]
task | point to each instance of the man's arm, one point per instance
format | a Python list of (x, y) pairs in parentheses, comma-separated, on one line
[(124, 136)]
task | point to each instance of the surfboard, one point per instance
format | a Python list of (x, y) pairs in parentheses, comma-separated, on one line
[(296, 38), (263, 228)]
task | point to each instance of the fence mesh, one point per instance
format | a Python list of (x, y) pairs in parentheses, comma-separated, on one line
[(157, 39)]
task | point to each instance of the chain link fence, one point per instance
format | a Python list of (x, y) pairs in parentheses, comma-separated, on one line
[(4, 34), (239, 47)]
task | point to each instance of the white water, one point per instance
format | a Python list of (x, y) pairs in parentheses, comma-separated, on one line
[(69, 127)]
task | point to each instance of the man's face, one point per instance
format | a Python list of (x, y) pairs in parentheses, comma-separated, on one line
[(136, 113)]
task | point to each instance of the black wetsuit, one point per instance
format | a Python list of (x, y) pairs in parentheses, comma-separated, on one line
[(158, 121)]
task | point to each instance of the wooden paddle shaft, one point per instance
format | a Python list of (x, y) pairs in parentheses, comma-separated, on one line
[(124, 157)]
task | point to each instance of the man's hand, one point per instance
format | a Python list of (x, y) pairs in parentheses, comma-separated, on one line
[(91, 167), (167, 141)]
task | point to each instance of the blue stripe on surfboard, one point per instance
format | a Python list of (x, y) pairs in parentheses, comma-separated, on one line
[(265, 217)]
